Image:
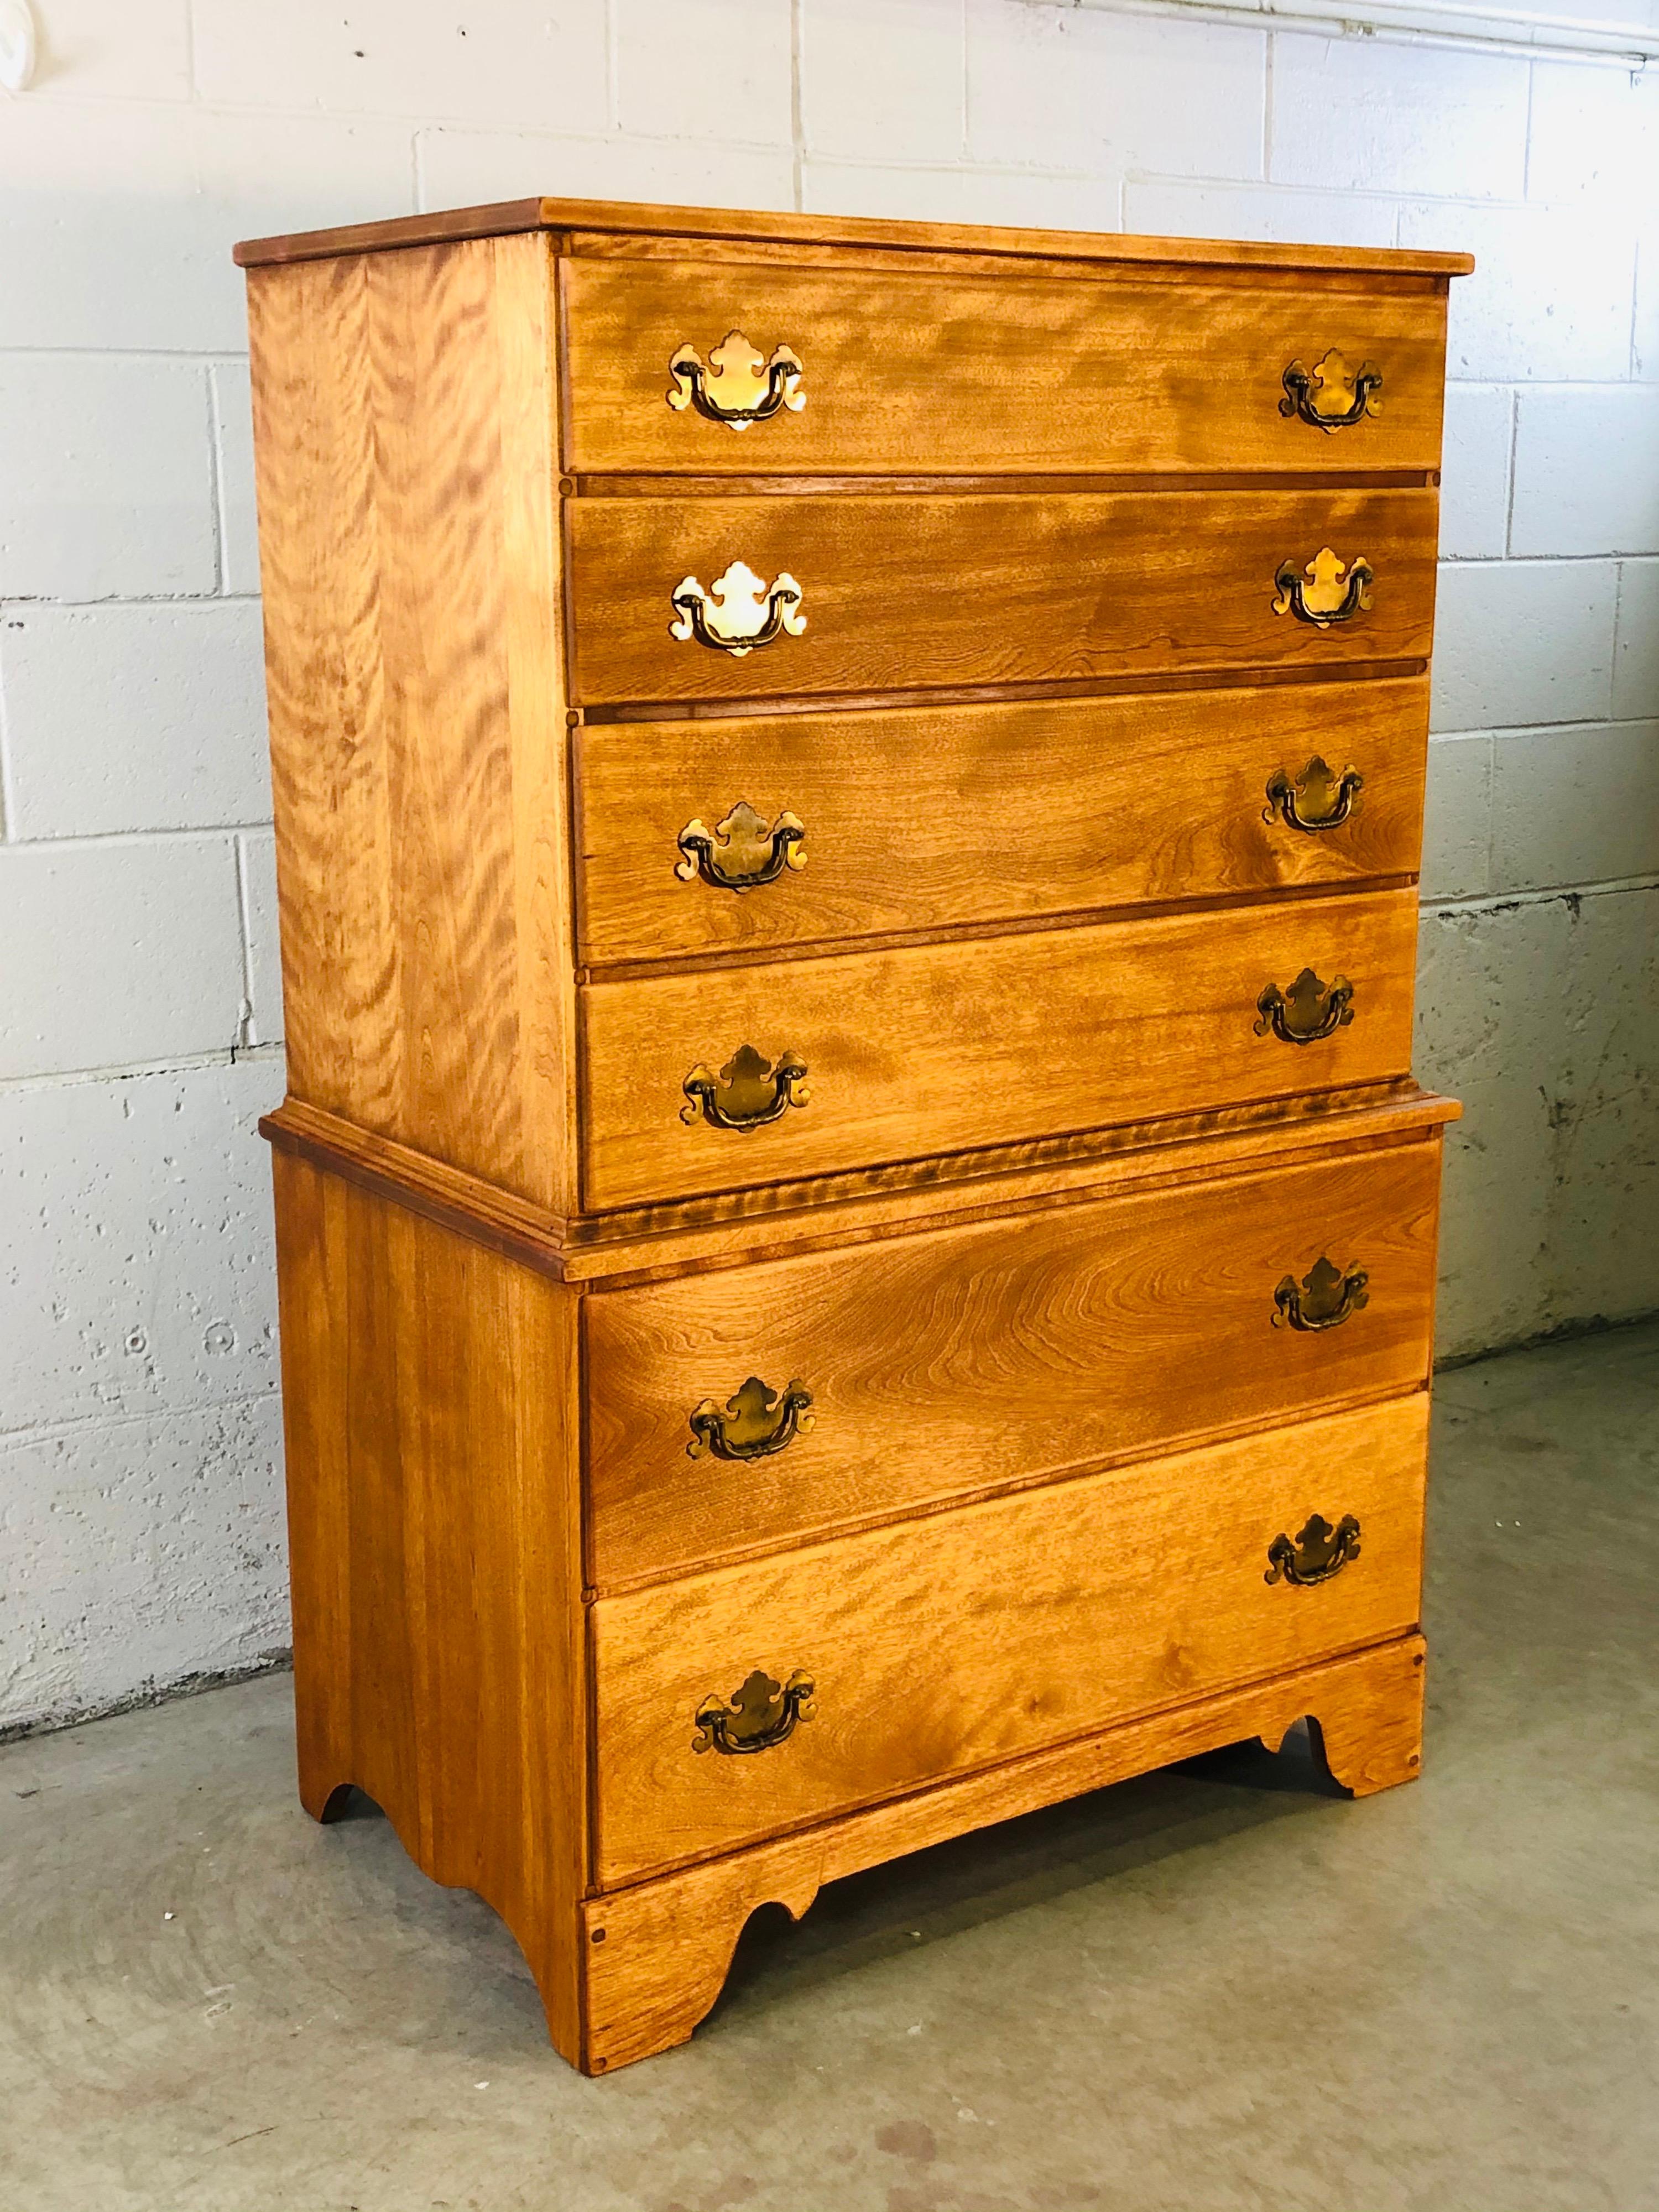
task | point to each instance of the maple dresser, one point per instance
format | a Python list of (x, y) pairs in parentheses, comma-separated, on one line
[(857, 1242)]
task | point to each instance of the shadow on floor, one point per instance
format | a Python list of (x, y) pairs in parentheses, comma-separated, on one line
[(976, 1879)]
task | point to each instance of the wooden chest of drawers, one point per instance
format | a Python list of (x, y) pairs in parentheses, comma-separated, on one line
[(856, 1237)]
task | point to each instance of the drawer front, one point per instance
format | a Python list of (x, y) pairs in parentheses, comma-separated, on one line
[(918, 373), (910, 1654), (710, 835), (854, 593), (973, 1358), (946, 1047)]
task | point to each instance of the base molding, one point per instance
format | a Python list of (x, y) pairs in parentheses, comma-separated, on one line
[(655, 1956)]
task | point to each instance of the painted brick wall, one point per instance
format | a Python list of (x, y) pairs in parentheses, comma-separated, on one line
[(140, 1524)]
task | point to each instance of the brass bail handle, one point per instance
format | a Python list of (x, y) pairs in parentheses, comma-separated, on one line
[(743, 852), (1326, 592), (748, 1093), (761, 1714), (739, 614), (1325, 1298), (1307, 1012), (1331, 396), (754, 1422), (1318, 799), (1318, 1551), (736, 386)]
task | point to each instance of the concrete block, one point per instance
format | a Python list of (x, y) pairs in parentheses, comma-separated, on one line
[(1457, 818), (1022, 197), (884, 84), (1603, 1113), (90, 259), (233, 454), (1521, 642), (116, 220), (1538, 1014), (1644, 335), (112, 50), (1164, 207), (137, 1553), (257, 867), (1587, 470), (1635, 654), (1575, 805), (514, 61), (147, 717), (117, 954), (684, 65), (1474, 489), (105, 484), (463, 168), (138, 1273), (1550, 298), (1063, 88), (1373, 117), (1594, 135), (1488, 1029)]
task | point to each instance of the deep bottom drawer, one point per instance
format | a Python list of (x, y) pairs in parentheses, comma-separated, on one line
[(971, 1359), (939, 1645)]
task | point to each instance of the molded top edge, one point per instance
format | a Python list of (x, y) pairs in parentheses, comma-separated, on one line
[(507, 216)]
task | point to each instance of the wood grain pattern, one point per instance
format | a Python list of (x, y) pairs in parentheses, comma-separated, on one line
[(935, 1048), (917, 818), (404, 441), (431, 1425), (999, 588), (1005, 372), (971, 1637), (667, 1944), (987, 260), (627, 218), (1004, 1352)]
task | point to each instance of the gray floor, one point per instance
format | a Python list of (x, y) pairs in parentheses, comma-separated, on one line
[(1214, 1988)]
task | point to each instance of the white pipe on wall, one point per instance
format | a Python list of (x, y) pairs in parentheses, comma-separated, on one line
[(1442, 23)]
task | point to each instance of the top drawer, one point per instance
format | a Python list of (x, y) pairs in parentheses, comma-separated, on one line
[(1005, 374)]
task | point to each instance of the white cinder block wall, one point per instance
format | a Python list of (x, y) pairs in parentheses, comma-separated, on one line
[(139, 1523)]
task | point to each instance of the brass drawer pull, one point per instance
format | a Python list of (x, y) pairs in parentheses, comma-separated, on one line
[(752, 1425), (742, 852), (750, 389), (1319, 800), (1353, 390), (749, 1092), (1325, 600), (1322, 1299), (761, 1713), (1308, 1011), (1318, 1552), (743, 611)]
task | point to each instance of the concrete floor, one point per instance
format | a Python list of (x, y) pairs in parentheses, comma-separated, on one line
[(1217, 1987)]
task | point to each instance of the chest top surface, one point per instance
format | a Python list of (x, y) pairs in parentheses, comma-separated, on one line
[(624, 226)]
